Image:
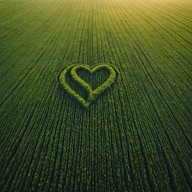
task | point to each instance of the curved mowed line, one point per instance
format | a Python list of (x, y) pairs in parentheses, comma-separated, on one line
[(92, 93)]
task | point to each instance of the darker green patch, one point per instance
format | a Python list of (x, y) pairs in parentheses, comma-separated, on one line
[(95, 79)]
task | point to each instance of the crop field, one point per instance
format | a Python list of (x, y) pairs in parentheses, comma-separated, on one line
[(95, 95)]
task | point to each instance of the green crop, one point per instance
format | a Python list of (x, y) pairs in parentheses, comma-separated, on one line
[(92, 94), (95, 95)]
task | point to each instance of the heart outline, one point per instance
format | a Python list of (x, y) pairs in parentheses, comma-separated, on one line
[(92, 94)]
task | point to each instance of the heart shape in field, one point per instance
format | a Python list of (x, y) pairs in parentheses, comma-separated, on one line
[(92, 93)]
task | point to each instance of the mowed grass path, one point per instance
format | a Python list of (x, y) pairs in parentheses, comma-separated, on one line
[(135, 137)]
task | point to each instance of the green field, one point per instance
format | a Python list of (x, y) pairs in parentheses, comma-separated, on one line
[(134, 136)]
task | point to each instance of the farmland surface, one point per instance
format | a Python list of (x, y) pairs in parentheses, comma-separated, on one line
[(137, 136)]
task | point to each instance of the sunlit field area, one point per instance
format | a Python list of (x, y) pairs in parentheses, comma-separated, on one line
[(95, 95)]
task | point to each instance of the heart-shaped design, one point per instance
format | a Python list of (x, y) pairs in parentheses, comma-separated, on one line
[(92, 93)]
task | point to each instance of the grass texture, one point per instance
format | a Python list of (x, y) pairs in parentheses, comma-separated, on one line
[(119, 119)]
